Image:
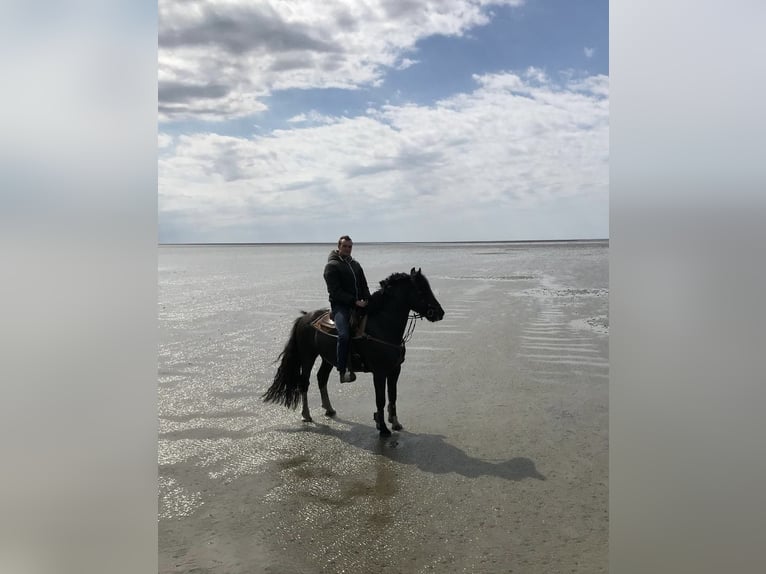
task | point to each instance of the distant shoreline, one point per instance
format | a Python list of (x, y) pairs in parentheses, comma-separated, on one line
[(476, 242)]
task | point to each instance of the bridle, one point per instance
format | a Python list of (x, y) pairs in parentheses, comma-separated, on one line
[(412, 321), (414, 315), (410, 327)]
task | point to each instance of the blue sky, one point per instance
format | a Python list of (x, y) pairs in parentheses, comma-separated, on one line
[(389, 120)]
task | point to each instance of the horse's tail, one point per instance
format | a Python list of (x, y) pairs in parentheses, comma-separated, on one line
[(284, 390)]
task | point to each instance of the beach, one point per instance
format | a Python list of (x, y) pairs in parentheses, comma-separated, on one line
[(502, 465)]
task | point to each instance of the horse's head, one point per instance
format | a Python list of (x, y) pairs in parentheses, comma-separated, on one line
[(422, 299)]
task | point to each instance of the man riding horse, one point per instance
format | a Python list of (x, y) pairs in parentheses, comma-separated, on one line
[(348, 291)]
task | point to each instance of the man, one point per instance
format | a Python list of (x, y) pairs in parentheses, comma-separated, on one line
[(347, 287)]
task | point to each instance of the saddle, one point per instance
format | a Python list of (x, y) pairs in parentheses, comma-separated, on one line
[(326, 325)]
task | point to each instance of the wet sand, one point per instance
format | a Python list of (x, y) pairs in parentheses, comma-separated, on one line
[(501, 466)]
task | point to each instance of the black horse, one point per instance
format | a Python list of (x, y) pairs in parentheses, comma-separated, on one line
[(379, 350)]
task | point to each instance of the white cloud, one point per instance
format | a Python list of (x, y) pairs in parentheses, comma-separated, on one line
[(511, 146), (299, 119), (164, 140), (406, 63), (536, 74), (596, 85), (314, 117), (220, 59), (501, 82), (589, 52)]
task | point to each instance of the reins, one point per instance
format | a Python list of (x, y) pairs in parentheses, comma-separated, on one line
[(410, 327), (407, 335)]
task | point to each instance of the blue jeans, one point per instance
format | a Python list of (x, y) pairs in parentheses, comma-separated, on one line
[(342, 317)]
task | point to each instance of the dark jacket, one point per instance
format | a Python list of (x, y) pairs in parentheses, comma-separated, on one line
[(345, 280)]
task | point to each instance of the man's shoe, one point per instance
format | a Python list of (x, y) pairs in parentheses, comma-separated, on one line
[(347, 377)]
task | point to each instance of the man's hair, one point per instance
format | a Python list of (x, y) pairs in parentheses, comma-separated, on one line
[(344, 238)]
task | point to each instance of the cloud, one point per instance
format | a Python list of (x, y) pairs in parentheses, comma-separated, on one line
[(536, 74), (220, 60), (237, 28), (172, 92), (314, 117), (517, 142), (589, 52), (164, 141), (406, 63)]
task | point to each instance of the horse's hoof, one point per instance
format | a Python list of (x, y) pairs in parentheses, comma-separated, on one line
[(385, 433), (307, 419), (330, 413), (377, 422), (397, 426)]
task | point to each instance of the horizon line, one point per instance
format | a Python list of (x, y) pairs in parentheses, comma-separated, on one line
[(244, 243)]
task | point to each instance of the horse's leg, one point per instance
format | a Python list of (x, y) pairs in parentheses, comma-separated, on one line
[(379, 379), (391, 382), (323, 376), (303, 385), (305, 411)]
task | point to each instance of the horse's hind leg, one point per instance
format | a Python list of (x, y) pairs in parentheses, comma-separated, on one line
[(305, 411), (323, 375), (379, 379), (391, 383), (303, 385)]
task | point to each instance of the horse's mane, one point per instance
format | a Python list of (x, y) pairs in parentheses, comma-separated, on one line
[(393, 278), (376, 299)]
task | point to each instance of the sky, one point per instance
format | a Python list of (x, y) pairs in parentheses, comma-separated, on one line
[(387, 120)]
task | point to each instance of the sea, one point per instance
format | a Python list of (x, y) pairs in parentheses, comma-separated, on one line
[(507, 389)]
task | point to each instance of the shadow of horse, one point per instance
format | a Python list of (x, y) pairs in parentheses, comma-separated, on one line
[(428, 452)]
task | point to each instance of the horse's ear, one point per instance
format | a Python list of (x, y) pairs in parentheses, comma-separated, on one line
[(419, 273), (412, 271)]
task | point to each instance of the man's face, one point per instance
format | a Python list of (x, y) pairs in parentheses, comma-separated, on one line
[(345, 248)]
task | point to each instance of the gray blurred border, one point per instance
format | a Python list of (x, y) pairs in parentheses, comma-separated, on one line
[(78, 229), (687, 181), (78, 153)]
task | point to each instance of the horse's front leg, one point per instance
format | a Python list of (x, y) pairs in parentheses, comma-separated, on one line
[(391, 383), (323, 375), (379, 379)]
